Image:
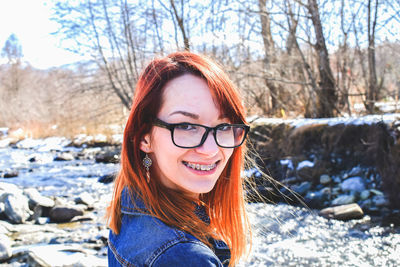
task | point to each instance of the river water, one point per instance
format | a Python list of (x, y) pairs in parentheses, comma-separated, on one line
[(282, 235)]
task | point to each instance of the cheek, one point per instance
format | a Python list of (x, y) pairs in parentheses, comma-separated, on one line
[(165, 152)]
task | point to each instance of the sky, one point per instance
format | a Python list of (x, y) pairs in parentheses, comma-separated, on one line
[(30, 21)]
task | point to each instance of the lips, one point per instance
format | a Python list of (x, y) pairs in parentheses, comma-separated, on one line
[(200, 167)]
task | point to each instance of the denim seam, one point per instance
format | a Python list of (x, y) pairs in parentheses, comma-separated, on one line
[(118, 257), (134, 213), (164, 247)]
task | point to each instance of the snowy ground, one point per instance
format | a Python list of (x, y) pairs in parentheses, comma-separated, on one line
[(282, 235), (290, 236)]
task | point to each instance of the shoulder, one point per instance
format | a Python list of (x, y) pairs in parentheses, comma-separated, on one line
[(145, 240), (194, 254)]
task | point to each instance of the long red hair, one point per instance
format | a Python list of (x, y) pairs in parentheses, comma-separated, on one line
[(225, 202)]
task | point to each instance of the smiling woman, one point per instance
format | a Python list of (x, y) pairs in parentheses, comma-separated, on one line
[(178, 199)]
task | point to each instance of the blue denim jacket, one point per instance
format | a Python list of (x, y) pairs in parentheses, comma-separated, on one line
[(146, 241)]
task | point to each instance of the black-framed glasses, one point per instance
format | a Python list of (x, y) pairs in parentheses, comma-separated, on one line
[(191, 135)]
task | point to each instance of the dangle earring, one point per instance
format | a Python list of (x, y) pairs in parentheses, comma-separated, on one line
[(147, 163)]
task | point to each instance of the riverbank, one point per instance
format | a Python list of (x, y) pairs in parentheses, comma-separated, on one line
[(75, 176)]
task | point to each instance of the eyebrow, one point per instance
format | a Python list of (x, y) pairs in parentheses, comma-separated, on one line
[(185, 113), (192, 115)]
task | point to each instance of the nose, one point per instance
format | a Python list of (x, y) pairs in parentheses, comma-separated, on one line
[(209, 147)]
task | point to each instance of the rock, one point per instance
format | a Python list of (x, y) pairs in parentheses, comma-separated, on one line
[(301, 189), (42, 220), (343, 212), (86, 199), (6, 142), (365, 194), (106, 179), (316, 199), (108, 157), (116, 139), (10, 174), (60, 255), (5, 248), (82, 140), (64, 214), (380, 201), (376, 192), (343, 200), (325, 179), (8, 188), (355, 184), (17, 208), (35, 199), (100, 139), (355, 171), (65, 156)]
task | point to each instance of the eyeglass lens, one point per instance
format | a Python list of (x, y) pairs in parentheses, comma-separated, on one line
[(191, 135)]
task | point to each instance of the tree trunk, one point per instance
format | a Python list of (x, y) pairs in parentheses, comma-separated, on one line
[(372, 90), (181, 25), (268, 53), (326, 93)]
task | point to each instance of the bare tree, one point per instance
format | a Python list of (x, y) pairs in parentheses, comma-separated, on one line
[(114, 33), (269, 53), (12, 50), (326, 93), (177, 12), (373, 89)]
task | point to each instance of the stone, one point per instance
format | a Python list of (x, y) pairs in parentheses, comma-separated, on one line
[(376, 192), (380, 201), (106, 179), (343, 212), (8, 188), (355, 171), (17, 208), (86, 199), (67, 254), (365, 194), (302, 188), (325, 179), (316, 199), (108, 157), (353, 184), (5, 248), (64, 214), (10, 174), (343, 200), (65, 156), (35, 198), (42, 220)]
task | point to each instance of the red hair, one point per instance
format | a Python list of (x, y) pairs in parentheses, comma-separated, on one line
[(225, 202)]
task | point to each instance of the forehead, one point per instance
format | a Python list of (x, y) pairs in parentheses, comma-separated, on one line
[(189, 93)]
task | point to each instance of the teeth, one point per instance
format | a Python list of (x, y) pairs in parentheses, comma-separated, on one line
[(200, 167)]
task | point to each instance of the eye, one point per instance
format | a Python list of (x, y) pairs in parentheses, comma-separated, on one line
[(225, 128), (186, 127)]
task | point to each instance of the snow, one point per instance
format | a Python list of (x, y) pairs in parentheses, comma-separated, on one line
[(287, 162), (250, 172), (305, 163), (368, 119), (3, 131), (44, 145)]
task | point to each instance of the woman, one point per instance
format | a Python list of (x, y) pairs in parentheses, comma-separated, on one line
[(178, 199)]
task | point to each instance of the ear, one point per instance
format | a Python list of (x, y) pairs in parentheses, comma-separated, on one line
[(145, 144)]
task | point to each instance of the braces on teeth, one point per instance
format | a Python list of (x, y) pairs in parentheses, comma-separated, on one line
[(200, 167)]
